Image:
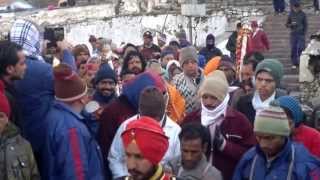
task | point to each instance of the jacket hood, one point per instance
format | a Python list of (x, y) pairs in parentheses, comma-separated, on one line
[(134, 87)]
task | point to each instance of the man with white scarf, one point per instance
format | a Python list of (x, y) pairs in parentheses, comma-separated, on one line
[(268, 75), (231, 132)]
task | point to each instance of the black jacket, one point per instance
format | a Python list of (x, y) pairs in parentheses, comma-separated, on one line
[(245, 106)]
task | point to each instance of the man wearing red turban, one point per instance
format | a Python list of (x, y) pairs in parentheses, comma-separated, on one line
[(145, 145)]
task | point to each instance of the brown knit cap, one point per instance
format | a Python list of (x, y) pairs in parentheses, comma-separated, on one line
[(68, 86)]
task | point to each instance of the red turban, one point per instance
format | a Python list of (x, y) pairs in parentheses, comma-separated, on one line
[(149, 137)]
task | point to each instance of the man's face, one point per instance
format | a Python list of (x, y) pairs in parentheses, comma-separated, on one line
[(89, 76), (270, 144), (82, 70), (210, 102), (247, 72), (17, 71), (166, 59), (147, 40), (191, 153), (106, 87), (82, 57), (135, 65), (190, 68), (138, 167), (230, 74), (265, 85)]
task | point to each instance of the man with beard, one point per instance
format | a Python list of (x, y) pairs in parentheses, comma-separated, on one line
[(149, 50), (276, 156), (134, 62), (230, 131), (210, 51), (12, 67), (105, 85), (193, 164), (145, 145), (268, 75)]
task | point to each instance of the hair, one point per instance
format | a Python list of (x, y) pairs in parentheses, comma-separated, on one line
[(129, 56), (79, 49), (152, 103), (125, 72), (92, 38), (253, 58), (239, 25), (8, 55), (191, 131)]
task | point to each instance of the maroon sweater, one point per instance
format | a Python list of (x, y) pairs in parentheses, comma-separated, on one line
[(238, 132)]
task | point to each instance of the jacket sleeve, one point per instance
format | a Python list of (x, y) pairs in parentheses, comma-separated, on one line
[(72, 155), (265, 40), (236, 150), (68, 58), (116, 156), (33, 164), (237, 175), (305, 24)]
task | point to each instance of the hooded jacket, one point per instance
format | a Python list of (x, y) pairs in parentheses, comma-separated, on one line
[(210, 51), (254, 164), (124, 107), (16, 156), (35, 92)]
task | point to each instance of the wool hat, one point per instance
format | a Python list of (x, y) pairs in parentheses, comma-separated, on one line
[(272, 120), (148, 34), (188, 53), (273, 67), (68, 86), (4, 103), (293, 105), (215, 84), (167, 51), (105, 72), (149, 137)]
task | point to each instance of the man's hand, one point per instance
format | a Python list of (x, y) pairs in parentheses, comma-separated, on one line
[(3, 121)]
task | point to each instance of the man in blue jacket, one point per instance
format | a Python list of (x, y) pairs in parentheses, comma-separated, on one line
[(275, 156), (35, 92), (70, 152)]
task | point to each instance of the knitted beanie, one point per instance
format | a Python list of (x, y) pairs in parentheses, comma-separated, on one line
[(293, 105), (215, 84), (68, 86), (188, 53), (272, 120), (105, 72), (273, 67)]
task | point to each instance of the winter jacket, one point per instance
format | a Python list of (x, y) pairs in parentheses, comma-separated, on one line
[(35, 94), (70, 151), (255, 165), (244, 105), (239, 137), (259, 42), (232, 42), (176, 104), (297, 22), (148, 53), (309, 137), (210, 53), (16, 157)]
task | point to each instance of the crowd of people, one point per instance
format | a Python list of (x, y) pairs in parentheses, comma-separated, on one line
[(158, 112)]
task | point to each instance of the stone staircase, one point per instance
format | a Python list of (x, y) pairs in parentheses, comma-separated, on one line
[(279, 39)]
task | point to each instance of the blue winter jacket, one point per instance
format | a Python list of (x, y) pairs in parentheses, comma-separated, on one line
[(70, 152), (35, 94), (304, 165)]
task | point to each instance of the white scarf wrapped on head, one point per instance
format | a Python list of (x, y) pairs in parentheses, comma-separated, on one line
[(212, 117)]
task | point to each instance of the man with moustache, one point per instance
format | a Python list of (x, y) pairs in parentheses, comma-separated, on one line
[(268, 75), (145, 145), (105, 85), (134, 62)]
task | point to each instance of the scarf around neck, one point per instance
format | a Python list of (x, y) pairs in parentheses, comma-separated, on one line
[(258, 104), (211, 117)]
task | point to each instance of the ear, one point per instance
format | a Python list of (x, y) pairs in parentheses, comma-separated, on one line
[(10, 69)]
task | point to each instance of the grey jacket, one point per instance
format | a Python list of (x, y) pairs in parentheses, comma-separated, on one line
[(203, 171), (297, 22), (16, 157)]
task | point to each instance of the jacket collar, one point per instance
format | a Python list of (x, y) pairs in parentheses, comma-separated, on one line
[(281, 155), (65, 107)]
